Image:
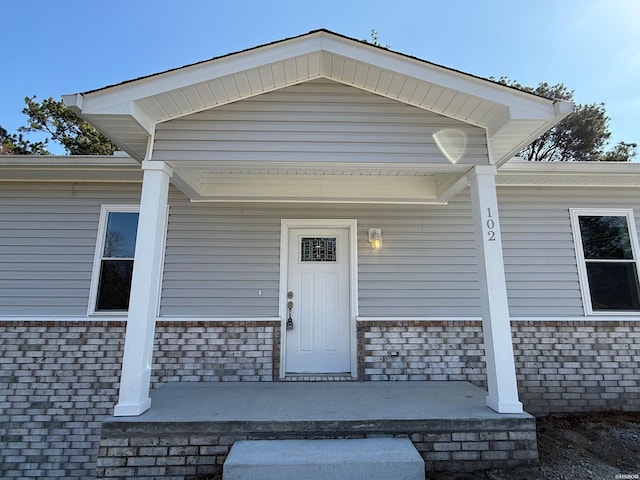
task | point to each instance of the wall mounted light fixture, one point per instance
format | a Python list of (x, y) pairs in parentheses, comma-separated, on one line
[(375, 238)]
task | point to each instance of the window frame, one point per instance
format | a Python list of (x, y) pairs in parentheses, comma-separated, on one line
[(576, 213), (105, 210)]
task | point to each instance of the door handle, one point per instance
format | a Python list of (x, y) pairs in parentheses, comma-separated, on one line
[(290, 307)]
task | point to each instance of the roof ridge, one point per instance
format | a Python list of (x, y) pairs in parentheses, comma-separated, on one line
[(313, 32)]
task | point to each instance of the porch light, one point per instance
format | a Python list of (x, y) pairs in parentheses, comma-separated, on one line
[(375, 238)]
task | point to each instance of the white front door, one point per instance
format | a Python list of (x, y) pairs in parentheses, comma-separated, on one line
[(318, 280)]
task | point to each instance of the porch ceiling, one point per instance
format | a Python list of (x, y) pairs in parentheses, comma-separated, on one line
[(448, 179), (318, 182), (129, 112)]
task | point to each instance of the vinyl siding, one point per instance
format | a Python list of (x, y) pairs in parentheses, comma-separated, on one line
[(218, 256), (47, 243), (539, 255), (320, 121)]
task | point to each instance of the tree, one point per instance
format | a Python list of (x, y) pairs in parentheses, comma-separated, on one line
[(15, 144), (622, 152), (61, 125), (580, 137), (375, 41)]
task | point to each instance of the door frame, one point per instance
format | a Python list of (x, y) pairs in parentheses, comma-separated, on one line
[(352, 226)]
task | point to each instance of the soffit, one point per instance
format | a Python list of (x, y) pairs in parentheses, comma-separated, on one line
[(323, 183), (569, 174)]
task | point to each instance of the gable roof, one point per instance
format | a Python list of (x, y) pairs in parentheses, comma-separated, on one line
[(128, 112)]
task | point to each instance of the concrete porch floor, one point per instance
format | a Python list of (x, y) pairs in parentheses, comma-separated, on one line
[(316, 401), (191, 427)]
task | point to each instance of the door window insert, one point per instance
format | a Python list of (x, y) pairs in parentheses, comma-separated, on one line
[(318, 249)]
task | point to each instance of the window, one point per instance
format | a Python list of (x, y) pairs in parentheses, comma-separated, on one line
[(113, 264), (607, 252), (318, 249)]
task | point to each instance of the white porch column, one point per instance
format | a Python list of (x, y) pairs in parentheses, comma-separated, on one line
[(145, 290), (501, 372)]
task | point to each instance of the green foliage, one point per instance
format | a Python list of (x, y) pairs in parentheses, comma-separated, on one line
[(375, 41), (580, 137), (57, 121), (15, 144), (621, 152)]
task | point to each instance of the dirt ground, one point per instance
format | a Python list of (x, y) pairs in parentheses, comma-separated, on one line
[(602, 447)]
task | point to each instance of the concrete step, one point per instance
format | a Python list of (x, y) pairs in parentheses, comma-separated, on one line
[(352, 459)]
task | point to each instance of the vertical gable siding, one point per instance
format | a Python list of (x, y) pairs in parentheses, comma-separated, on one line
[(320, 121), (218, 256), (47, 243), (540, 262)]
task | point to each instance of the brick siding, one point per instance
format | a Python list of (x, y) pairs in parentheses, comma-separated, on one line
[(58, 382), (421, 351), (562, 367), (569, 367), (213, 352), (59, 379)]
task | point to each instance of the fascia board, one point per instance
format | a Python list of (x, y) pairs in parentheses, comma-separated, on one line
[(73, 101), (68, 161), (570, 174), (27, 168), (130, 109), (202, 72), (520, 102), (525, 105), (345, 167), (559, 110), (446, 193), (553, 168)]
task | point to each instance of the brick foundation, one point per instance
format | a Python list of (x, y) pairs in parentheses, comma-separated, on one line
[(571, 367), (59, 379), (178, 450)]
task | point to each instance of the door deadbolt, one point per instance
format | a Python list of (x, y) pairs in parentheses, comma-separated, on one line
[(290, 307)]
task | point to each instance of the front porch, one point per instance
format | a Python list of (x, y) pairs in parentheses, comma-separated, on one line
[(191, 427)]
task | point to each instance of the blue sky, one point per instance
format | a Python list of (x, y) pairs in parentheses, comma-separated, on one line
[(51, 48)]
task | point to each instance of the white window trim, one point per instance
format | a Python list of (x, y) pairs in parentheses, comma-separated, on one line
[(582, 266), (97, 258)]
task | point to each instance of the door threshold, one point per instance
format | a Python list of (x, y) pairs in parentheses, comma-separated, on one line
[(318, 377)]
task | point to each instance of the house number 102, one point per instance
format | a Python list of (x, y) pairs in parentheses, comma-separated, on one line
[(491, 225)]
